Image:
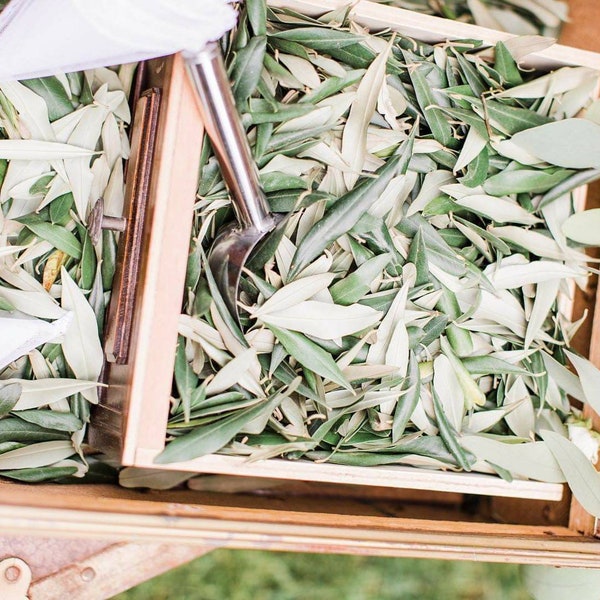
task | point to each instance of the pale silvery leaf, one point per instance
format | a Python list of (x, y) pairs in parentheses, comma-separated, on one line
[(19, 277), (283, 256), (532, 459), (483, 420), (21, 334), (584, 227), (421, 419), (33, 111), (34, 251), (41, 370), (397, 353), (58, 187), (363, 107), (395, 313), (538, 243), (80, 179), (328, 65), (231, 373), (262, 340), (289, 166), (301, 69), (559, 81), (232, 343), (86, 135), (6, 250), (521, 419), (358, 372), (327, 155), (509, 20), (430, 189), (114, 194), (449, 391), (513, 151), (563, 378), (323, 320), (501, 210), (396, 212), (570, 143), (589, 375), (472, 147), (81, 345), (518, 275), (574, 102), (36, 304), (472, 393), (391, 104), (41, 454), (82, 468), (521, 46), (188, 326), (35, 150), (156, 479), (483, 16), (295, 292), (582, 477), (546, 294), (478, 241), (100, 175), (40, 392), (111, 140), (18, 171), (63, 127)]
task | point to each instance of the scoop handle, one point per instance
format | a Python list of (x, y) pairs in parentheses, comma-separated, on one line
[(228, 139)]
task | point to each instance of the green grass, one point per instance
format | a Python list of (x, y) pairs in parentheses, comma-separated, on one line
[(254, 575)]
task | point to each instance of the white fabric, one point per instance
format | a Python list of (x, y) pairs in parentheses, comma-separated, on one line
[(44, 37)]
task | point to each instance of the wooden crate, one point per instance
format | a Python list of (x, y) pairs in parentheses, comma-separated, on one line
[(146, 379), (450, 516)]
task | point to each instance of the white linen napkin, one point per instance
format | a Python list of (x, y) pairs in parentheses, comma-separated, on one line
[(44, 37)]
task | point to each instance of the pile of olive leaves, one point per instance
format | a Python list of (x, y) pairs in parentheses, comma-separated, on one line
[(521, 17), (62, 146), (408, 312)]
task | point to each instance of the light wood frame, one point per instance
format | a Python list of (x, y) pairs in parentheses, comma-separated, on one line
[(147, 391)]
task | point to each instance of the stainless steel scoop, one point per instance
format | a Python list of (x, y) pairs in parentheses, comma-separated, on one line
[(234, 244)]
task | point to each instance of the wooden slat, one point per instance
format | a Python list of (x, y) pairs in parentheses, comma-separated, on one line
[(135, 409), (390, 476), (112, 570), (313, 532)]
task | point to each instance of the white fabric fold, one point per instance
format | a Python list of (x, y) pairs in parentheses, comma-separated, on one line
[(44, 37)]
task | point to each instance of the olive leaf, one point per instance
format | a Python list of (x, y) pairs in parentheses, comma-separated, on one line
[(9, 396), (582, 477), (584, 227), (570, 143), (345, 213), (205, 440)]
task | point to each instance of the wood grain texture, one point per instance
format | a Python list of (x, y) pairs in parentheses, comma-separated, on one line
[(112, 570)]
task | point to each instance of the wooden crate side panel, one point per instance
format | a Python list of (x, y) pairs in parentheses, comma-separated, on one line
[(136, 406), (405, 537), (377, 16), (389, 476)]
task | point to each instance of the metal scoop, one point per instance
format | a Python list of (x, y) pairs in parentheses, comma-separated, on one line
[(234, 244)]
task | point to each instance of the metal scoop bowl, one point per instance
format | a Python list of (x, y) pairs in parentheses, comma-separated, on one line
[(234, 244)]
